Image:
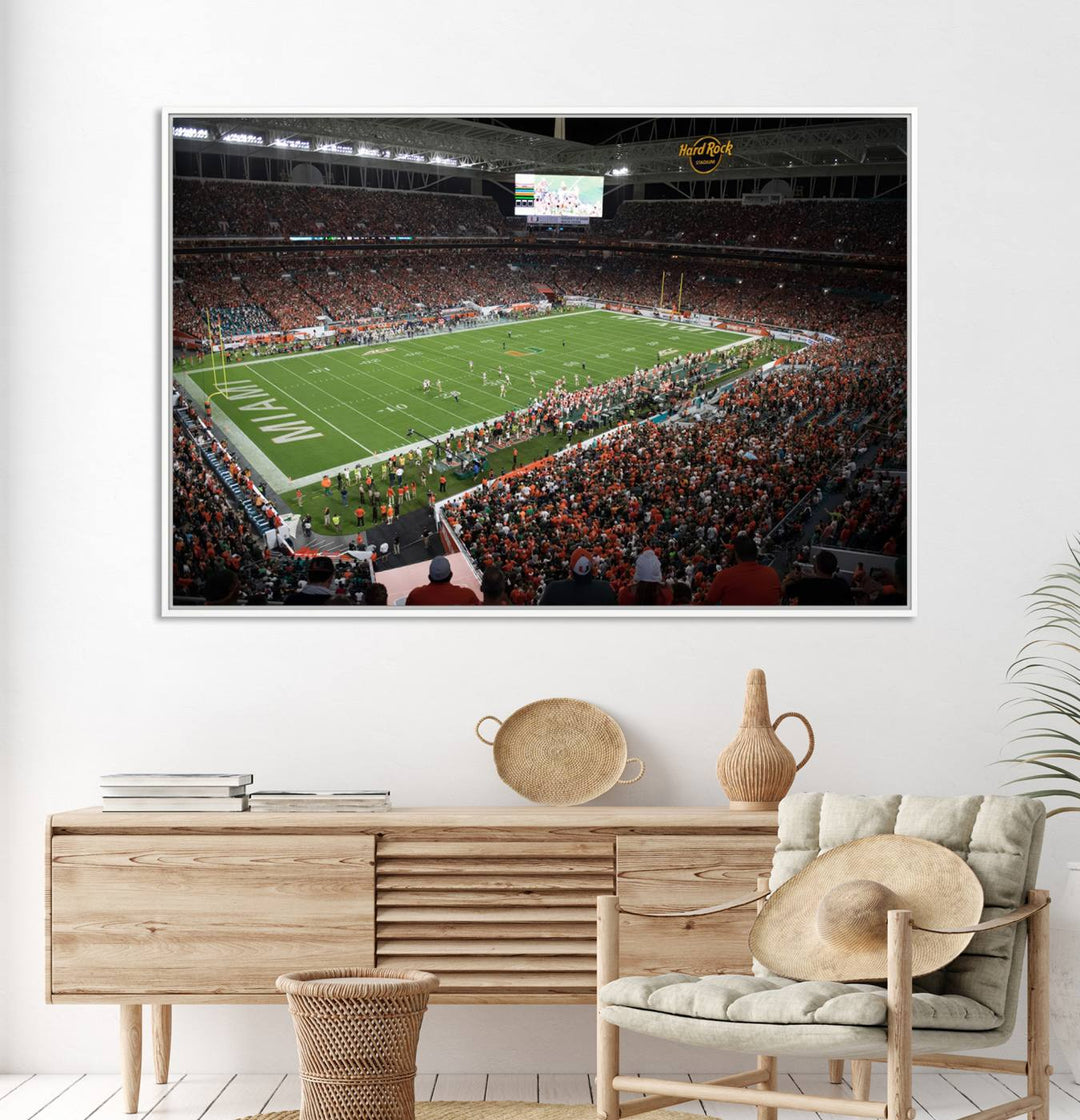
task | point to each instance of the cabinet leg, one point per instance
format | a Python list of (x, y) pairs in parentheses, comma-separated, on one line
[(131, 1053), (836, 1071), (161, 1019)]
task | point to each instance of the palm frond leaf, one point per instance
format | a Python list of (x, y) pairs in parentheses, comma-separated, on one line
[(1045, 675)]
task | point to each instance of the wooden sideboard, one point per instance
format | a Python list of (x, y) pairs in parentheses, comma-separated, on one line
[(500, 903)]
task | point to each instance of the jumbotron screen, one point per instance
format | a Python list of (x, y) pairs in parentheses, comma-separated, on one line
[(559, 196)]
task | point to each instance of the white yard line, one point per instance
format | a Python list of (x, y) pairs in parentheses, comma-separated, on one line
[(404, 412), (353, 408)]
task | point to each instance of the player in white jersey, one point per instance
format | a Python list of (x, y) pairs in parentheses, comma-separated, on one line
[(502, 388)]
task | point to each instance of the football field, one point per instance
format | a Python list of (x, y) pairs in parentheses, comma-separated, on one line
[(313, 412)]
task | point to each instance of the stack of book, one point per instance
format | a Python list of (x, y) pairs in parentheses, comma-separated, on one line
[(313, 801), (174, 793)]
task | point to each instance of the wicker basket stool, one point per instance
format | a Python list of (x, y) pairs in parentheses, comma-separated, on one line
[(356, 1032)]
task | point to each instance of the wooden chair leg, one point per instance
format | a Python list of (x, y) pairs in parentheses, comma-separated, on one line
[(161, 1023), (130, 1053), (898, 1002), (607, 1035), (836, 1071), (1038, 1009), (860, 1078), (768, 1063)]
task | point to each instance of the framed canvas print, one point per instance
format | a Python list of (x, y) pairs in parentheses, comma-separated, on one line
[(528, 364)]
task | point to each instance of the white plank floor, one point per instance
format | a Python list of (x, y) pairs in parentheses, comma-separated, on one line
[(202, 1096)]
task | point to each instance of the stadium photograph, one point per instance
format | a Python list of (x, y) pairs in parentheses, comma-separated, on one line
[(568, 363)]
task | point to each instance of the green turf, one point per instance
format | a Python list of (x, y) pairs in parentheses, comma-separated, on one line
[(320, 410), (499, 462)]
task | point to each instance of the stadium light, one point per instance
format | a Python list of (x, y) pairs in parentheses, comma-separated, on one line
[(242, 138), (445, 161), (381, 153), (186, 132), (410, 157), (291, 142), (337, 149), (619, 171)]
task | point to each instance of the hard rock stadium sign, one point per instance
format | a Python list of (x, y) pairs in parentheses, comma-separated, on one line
[(705, 154)]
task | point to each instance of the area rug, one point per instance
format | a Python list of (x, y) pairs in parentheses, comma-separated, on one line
[(476, 1110)]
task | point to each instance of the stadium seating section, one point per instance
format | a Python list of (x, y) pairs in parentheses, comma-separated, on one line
[(294, 290), (829, 422)]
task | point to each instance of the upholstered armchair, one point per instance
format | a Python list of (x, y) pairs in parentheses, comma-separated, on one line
[(934, 1021)]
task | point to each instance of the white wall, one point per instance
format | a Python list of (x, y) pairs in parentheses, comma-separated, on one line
[(98, 683)]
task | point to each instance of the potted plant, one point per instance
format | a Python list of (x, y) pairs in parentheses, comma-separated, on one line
[(1047, 674)]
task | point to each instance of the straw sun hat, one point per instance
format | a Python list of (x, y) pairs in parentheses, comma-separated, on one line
[(828, 922)]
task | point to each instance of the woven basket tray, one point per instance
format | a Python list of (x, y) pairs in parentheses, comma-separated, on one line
[(560, 752)]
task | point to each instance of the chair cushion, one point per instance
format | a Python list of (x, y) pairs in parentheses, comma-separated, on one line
[(807, 1041), (774, 1000)]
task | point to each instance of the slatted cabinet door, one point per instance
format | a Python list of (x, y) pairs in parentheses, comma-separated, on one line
[(201, 914), (684, 873), (499, 921)]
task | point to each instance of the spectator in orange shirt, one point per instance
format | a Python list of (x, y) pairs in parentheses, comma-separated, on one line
[(747, 583)]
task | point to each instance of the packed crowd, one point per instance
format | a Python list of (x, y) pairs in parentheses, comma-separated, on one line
[(216, 207), (687, 493), (226, 207), (294, 290), (872, 519), (821, 225), (214, 547)]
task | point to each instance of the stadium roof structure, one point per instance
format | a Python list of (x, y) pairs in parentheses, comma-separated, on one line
[(641, 150)]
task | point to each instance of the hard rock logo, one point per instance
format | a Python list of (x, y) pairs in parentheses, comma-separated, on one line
[(705, 154)]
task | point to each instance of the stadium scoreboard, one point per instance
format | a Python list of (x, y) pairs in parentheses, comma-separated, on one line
[(573, 199)]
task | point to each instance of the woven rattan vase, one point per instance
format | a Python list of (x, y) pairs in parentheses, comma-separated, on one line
[(356, 1033), (756, 769)]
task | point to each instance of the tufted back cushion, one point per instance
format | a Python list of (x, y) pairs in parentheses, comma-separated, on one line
[(999, 837)]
